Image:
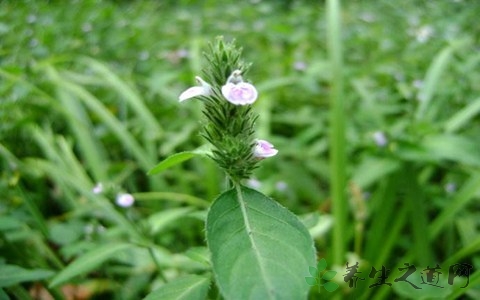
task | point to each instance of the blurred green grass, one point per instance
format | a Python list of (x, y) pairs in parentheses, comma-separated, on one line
[(88, 94)]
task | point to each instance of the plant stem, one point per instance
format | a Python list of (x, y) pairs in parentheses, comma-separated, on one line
[(337, 133), (157, 264)]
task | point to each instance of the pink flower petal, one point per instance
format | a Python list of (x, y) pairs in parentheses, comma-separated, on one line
[(125, 200), (264, 149), (204, 89), (192, 92), (242, 93)]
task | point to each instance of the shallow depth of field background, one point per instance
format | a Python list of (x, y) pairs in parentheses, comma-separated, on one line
[(89, 94)]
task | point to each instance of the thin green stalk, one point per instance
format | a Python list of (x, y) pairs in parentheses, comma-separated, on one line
[(387, 248), (337, 133), (157, 263), (465, 252), (462, 198), (41, 224), (415, 201)]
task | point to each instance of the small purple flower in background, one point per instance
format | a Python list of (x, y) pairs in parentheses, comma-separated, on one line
[(300, 66), (417, 83), (87, 27), (380, 138), (450, 188), (31, 19), (176, 56), (182, 53), (281, 186), (238, 92), (98, 188), (254, 183), (424, 33), (88, 229), (33, 43), (368, 17), (144, 55), (367, 196), (264, 149), (204, 89), (124, 200)]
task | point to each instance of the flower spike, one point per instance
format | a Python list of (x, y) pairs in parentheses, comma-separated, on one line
[(230, 121)]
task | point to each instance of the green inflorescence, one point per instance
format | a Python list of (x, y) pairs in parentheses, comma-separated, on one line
[(229, 128)]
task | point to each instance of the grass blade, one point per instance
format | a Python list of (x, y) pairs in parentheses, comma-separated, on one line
[(337, 133), (129, 94), (432, 78), (463, 117), (88, 262)]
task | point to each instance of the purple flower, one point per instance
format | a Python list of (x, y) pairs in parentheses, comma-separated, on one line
[(380, 138), (264, 149), (238, 92), (97, 189), (450, 187), (125, 200), (300, 66), (203, 89), (281, 186), (254, 183)]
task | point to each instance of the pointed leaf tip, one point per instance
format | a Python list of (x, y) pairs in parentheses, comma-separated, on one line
[(329, 275), (322, 265), (330, 286), (311, 281)]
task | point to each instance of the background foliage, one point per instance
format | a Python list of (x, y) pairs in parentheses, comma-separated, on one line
[(88, 94)]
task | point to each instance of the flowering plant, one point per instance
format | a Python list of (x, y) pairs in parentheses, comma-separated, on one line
[(248, 234), (228, 98)]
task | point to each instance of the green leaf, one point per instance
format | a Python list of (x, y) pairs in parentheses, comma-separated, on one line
[(311, 281), (9, 223), (329, 275), (330, 286), (432, 80), (67, 232), (313, 271), (12, 274), (171, 161), (260, 250), (88, 262), (160, 220), (191, 287), (322, 265), (130, 94), (372, 169), (199, 254), (453, 147), (176, 159), (463, 117), (3, 295)]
